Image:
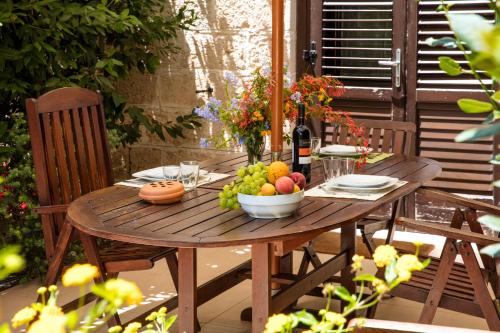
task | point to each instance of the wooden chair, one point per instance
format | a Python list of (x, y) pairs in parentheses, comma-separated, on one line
[(383, 136), (386, 326), (451, 285), (71, 158)]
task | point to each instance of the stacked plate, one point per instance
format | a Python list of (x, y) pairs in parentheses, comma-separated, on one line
[(361, 183), (344, 150), (156, 174)]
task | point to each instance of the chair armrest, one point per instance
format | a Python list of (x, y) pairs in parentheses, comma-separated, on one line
[(452, 198), (46, 210), (389, 326), (434, 228)]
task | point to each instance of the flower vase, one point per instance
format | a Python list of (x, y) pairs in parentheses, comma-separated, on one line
[(255, 150)]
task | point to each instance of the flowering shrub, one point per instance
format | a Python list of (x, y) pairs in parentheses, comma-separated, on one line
[(397, 269), (46, 316)]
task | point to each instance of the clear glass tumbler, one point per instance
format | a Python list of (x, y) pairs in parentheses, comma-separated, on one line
[(189, 173), (334, 167), (315, 146)]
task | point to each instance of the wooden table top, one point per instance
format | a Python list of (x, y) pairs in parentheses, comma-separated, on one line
[(197, 221)]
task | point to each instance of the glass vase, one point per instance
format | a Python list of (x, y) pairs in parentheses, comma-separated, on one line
[(255, 149)]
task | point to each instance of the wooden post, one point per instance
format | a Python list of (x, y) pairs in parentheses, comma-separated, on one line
[(278, 46), (261, 285), (187, 290)]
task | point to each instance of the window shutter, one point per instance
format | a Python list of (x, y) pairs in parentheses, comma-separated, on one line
[(465, 165)]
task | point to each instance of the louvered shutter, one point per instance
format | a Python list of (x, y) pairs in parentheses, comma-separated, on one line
[(465, 165), (355, 35)]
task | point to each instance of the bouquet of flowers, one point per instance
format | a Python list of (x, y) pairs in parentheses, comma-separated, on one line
[(245, 112)]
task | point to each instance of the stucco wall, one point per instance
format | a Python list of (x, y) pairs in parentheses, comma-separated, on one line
[(230, 35)]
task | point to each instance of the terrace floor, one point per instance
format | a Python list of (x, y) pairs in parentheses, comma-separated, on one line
[(221, 314)]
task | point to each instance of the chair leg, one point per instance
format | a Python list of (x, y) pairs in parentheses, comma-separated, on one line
[(92, 254), (368, 241), (436, 291), (56, 263), (481, 290)]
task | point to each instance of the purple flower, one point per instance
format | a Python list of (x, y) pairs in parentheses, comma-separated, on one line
[(234, 103), (209, 111), (204, 143), (231, 78), (266, 71), (296, 96)]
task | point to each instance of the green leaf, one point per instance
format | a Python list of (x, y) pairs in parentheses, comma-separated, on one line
[(306, 318), (169, 322), (492, 117), (448, 42), (473, 29), (477, 133), (365, 277), (342, 293), (469, 105), (491, 250), (496, 183), (491, 221), (450, 66), (390, 272), (496, 96)]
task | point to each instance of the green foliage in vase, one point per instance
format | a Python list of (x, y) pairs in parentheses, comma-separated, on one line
[(46, 44)]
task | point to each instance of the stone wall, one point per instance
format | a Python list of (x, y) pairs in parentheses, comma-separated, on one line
[(230, 35)]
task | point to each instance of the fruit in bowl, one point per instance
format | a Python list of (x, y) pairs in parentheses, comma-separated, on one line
[(264, 191)]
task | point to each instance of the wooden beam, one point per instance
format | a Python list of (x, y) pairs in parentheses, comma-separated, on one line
[(278, 35)]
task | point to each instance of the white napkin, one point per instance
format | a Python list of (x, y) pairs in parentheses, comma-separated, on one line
[(369, 196), (211, 177)]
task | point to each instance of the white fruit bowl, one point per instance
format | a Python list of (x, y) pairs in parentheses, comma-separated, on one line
[(268, 207)]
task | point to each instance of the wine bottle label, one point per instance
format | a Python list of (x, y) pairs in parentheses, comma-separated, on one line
[(305, 155)]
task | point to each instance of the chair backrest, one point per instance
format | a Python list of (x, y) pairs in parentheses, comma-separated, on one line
[(69, 144), (383, 135)]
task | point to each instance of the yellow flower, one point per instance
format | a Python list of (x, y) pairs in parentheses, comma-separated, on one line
[(115, 329), (380, 286), (356, 262), (23, 317), (41, 290), (124, 291), (79, 274), (132, 327), (336, 318), (52, 325), (328, 289), (276, 323), (51, 311), (407, 264), (383, 255)]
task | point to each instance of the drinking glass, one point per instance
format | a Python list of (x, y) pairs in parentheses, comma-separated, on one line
[(188, 174), (334, 167), (315, 146), (170, 172)]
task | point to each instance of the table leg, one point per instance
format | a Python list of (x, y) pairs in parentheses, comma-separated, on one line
[(187, 290), (261, 285), (348, 244)]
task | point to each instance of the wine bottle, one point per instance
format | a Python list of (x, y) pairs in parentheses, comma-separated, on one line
[(301, 148)]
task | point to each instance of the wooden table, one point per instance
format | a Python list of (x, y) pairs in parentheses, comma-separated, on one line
[(197, 221)]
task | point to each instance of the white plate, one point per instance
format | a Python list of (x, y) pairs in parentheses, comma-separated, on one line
[(157, 173), (361, 181), (344, 150), (333, 187)]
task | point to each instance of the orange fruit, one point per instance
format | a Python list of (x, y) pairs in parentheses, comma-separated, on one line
[(276, 170), (268, 189)]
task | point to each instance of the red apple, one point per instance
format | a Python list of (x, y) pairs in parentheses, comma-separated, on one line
[(284, 185), (298, 179)]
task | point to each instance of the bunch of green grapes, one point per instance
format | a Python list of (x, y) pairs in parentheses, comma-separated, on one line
[(250, 180)]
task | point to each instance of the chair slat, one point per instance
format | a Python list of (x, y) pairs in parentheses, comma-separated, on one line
[(100, 167), (375, 139), (62, 165), (387, 141), (344, 132), (48, 147), (71, 154), (398, 145), (91, 153), (80, 147)]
